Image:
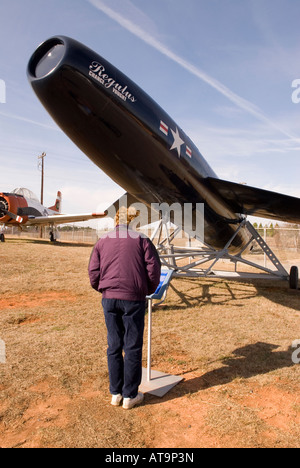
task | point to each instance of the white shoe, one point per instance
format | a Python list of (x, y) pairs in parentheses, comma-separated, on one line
[(129, 403), (116, 400)]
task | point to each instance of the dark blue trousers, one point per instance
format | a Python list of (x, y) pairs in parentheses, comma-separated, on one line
[(125, 322)]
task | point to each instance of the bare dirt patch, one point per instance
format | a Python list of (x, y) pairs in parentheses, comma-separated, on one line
[(34, 300), (231, 343)]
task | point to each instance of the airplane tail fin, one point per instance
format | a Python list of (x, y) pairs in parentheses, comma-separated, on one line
[(57, 206)]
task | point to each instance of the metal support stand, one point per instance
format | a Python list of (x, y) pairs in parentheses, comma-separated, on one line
[(154, 382), (202, 260)]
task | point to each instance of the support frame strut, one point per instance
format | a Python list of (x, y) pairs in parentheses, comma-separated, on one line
[(203, 260)]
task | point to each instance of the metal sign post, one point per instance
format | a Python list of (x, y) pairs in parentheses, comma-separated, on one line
[(154, 382), (149, 339)]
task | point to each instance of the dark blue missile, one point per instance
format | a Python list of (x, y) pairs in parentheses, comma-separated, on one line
[(135, 142)]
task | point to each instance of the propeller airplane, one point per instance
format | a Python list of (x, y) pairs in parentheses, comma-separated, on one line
[(21, 208)]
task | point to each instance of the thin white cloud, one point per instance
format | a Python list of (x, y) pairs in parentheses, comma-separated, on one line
[(149, 39), (25, 119)]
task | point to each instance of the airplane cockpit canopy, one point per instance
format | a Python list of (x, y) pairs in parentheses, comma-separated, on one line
[(25, 193)]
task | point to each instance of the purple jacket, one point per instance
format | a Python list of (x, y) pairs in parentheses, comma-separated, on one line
[(124, 265)]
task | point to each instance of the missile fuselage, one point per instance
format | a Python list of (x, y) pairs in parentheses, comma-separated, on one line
[(126, 133)]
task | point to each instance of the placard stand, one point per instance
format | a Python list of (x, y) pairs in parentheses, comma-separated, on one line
[(154, 382)]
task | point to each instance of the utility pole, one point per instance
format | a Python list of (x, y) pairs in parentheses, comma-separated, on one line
[(41, 166)]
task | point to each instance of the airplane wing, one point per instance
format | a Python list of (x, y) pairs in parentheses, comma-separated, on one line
[(62, 219), (257, 202)]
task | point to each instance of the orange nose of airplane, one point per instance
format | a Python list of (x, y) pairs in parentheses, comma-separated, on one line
[(9, 208), (4, 208)]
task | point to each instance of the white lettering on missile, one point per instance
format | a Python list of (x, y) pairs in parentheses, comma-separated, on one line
[(98, 72)]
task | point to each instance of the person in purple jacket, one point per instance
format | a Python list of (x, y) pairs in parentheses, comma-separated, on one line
[(125, 268)]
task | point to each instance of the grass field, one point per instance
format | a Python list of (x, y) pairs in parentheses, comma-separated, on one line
[(230, 341)]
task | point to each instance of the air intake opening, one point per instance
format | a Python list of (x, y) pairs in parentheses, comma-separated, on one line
[(46, 58)]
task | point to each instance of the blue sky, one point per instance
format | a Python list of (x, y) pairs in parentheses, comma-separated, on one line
[(222, 69)]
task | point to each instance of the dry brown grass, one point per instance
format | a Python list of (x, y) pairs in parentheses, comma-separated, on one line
[(230, 341)]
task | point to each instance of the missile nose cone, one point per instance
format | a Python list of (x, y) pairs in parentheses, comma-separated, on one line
[(46, 58)]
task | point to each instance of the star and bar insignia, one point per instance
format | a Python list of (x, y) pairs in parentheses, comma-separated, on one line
[(178, 141)]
